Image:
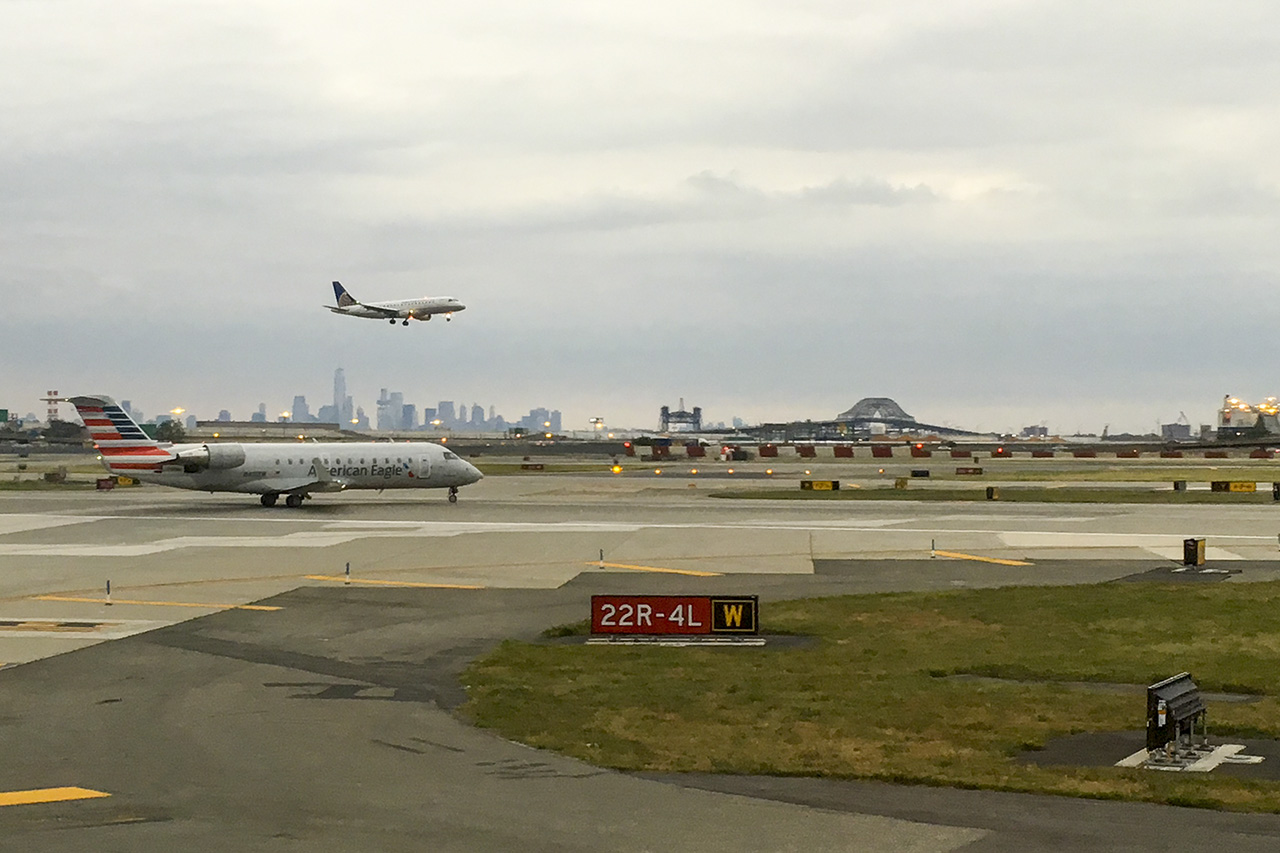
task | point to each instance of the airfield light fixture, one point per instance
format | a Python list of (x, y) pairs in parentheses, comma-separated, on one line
[(617, 469)]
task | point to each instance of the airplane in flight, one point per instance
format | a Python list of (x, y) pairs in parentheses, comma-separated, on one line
[(292, 469), (400, 309)]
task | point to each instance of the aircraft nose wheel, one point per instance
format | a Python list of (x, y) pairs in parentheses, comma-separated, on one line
[(453, 494), (405, 323)]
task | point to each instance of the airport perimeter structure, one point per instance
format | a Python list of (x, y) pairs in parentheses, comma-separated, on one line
[(303, 708)]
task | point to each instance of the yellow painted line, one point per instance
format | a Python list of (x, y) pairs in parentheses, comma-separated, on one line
[(995, 560), (47, 795), (155, 603), (344, 579), (695, 573)]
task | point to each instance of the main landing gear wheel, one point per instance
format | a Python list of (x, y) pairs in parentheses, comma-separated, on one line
[(405, 323), (269, 499), (293, 501), (453, 494), (392, 322)]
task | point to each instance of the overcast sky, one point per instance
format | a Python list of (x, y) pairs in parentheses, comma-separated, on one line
[(999, 213)]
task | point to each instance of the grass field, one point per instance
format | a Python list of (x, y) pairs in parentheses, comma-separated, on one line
[(869, 698)]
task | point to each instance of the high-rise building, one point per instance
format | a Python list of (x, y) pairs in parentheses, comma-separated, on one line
[(259, 416), (224, 415), (301, 411), (555, 420), (444, 413), (342, 404), (477, 416), (409, 416), (391, 410)]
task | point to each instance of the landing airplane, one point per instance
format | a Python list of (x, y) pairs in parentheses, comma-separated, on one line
[(293, 469), (400, 309)]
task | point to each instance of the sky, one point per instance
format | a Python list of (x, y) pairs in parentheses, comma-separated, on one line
[(999, 213)]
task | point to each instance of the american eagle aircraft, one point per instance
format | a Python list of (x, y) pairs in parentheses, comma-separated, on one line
[(400, 309), (293, 469)]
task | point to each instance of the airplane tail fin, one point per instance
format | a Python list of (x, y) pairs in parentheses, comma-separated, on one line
[(124, 446), (345, 300)]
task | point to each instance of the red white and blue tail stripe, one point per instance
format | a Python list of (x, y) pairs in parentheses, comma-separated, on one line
[(124, 446)]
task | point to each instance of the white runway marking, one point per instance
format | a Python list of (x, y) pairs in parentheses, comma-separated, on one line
[(22, 523)]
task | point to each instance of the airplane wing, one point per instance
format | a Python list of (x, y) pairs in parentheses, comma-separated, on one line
[(322, 482), (385, 312)]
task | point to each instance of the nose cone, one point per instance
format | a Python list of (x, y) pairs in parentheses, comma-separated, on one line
[(473, 474)]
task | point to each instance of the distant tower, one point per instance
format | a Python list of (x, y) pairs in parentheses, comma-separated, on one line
[(341, 402)]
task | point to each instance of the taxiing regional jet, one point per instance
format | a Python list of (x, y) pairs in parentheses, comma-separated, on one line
[(400, 309), (293, 469)]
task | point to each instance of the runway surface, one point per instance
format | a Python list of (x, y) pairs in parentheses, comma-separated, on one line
[(321, 718)]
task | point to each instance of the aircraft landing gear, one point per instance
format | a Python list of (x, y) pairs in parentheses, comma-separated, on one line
[(453, 494), (392, 321), (269, 499), (293, 501), (406, 322)]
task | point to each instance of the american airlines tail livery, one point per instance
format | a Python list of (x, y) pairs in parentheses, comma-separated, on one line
[(293, 469), (400, 309)]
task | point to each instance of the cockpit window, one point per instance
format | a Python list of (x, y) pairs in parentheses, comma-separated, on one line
[(449, 455)]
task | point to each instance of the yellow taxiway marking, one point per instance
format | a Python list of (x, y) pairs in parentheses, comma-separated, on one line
[(154, 603), (345, 579), (995, 560), (47, 795), (694, 572)]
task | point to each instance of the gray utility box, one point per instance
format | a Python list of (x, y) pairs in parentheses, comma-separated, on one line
[(1173, 706)]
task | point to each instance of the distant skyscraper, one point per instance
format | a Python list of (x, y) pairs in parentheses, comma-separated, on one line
[(555, 420), (327, 414), (444, 412), (259, 416), (224, 415), (391, 410), (477, 416), (409, 418), (301, 411), (360, 419), (342, 403)]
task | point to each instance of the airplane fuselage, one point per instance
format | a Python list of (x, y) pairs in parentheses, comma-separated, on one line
[(404, 309), (276, 468)]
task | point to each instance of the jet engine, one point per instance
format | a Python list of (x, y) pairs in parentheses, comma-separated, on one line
[(215, 457)]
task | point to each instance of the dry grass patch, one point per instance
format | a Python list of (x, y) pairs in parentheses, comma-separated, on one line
[(870, 698)]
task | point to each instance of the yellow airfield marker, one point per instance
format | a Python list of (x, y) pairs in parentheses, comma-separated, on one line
[(997, 561), (343, 579), (693, 572), (47, 795), (154, 603)]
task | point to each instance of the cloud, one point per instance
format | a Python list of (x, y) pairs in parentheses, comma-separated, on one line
[(1054, 208)]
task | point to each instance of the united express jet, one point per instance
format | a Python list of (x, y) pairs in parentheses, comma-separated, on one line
[(293, 469), (401, 309)]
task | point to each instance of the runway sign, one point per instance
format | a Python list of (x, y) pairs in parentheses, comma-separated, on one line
[(820, 485), (675, 614)]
